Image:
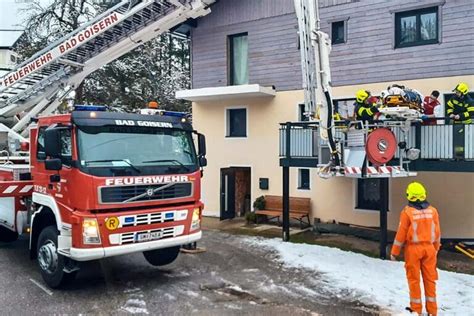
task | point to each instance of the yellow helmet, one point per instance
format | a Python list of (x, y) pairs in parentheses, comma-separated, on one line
[(462, 87), (416, 192), (361, 96)]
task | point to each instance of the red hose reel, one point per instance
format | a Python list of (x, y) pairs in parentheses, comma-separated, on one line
[(381, 146)]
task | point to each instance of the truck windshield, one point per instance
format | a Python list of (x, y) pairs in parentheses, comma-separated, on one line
[(125, 150)]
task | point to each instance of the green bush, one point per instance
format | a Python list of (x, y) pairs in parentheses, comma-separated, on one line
[(259, 203), (251, 217)]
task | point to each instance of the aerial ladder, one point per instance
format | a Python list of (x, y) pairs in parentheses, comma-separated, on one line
[(39, 85), (357, 149)]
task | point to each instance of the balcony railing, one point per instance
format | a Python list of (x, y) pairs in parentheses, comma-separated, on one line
[(448, 147)]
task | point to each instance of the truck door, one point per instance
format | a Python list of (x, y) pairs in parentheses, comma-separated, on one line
[(43, 177)]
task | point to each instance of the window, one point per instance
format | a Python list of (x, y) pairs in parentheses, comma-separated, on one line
[(345, 107), (66, 153), (338, 32), (238, 63), (301, 113), (303, 179), (368, 194), (418, 27), (236, 123), (40, 153)]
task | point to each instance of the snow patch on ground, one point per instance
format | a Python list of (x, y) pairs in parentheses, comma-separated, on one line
[(134, 290), (135, 306), (372, 281), (170, 297)]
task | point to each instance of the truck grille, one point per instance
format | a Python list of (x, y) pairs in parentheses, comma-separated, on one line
[(140, 193)]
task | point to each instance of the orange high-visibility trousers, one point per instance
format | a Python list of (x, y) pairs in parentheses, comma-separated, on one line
[(422, 258)]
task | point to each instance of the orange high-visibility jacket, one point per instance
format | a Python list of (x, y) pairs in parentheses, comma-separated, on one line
[(417, 226)]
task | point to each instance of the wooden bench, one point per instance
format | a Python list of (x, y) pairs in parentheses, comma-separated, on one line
[(299, 209)]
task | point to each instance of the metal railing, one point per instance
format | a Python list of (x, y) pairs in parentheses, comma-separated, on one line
[(436, 142)]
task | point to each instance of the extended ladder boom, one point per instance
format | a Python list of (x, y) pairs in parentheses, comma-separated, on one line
[(315, 47), (38, 85)]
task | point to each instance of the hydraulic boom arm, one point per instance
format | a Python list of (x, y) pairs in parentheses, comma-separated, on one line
[(38, 85)]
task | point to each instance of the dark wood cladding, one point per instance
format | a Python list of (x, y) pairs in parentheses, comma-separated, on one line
[(368, 55)]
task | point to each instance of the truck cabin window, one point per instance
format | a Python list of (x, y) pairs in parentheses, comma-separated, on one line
[(124, 150)]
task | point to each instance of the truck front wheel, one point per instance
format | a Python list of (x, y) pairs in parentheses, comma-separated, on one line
[(50, 262), (7, 235), (161, 257)]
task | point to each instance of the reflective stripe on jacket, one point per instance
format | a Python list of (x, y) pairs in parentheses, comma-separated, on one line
[(417, 226), (462, 106), (365, 112)]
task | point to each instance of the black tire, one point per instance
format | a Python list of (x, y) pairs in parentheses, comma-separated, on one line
[(7, 235), (161, 257), (53, 274)]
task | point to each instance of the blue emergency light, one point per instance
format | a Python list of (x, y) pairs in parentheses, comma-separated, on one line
[(174, 114), (97, 108), (169, 215)]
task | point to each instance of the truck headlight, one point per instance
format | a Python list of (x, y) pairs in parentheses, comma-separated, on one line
[(196, 220), (90, 231)]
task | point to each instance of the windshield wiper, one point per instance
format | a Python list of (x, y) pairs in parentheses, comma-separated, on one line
[(112, 160), (168, 160)]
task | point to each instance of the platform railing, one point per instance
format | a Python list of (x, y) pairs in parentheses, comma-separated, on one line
[(436, 142)]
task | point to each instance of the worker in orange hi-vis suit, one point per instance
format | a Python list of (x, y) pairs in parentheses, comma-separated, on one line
[(419, 230)]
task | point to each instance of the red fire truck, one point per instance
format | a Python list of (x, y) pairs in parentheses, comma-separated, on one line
[(95, 184), (103, 184)]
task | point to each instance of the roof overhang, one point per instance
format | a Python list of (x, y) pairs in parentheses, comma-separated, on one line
[(225, 93)]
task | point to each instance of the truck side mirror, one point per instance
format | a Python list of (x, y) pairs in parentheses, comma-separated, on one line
[(202, 161), (53, 164), (52, 142), (202, 145)]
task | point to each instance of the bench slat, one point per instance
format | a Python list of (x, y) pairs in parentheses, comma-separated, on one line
[(299, 205)]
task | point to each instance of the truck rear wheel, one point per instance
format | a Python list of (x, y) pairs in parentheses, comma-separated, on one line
[(50, 262), (161, 257), (7, 235)]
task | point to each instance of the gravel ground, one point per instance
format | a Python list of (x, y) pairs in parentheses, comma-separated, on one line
[(230, 278)]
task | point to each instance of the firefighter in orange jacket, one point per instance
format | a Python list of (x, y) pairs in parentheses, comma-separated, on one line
[(419, 230)]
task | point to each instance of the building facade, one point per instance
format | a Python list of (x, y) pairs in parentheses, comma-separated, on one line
[(247, 80), (8, 57)]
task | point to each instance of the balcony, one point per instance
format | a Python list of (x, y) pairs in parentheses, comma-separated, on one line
[(448, 147), (226, 93)]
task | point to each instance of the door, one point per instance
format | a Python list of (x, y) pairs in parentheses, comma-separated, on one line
[(227, 193)]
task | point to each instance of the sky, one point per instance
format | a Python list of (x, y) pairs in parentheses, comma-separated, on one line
[(9, 13)]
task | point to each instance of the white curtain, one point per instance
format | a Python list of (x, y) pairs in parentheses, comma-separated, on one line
[(240, 69)]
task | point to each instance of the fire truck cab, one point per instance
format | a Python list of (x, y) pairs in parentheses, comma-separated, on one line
[(104, 184)]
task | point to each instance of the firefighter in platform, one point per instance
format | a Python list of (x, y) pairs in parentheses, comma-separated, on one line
[(365, 110), (419, 231), (461, 106)]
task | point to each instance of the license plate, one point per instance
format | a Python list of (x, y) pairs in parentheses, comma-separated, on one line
[(148, 236)]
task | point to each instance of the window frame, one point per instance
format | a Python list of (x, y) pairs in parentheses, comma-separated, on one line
[(230, 58), (227, 122), (336, 105), (363, 205), (417, 14), (40, 155), (344, 28), (301, 112), (300, 182), (66, 160)]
